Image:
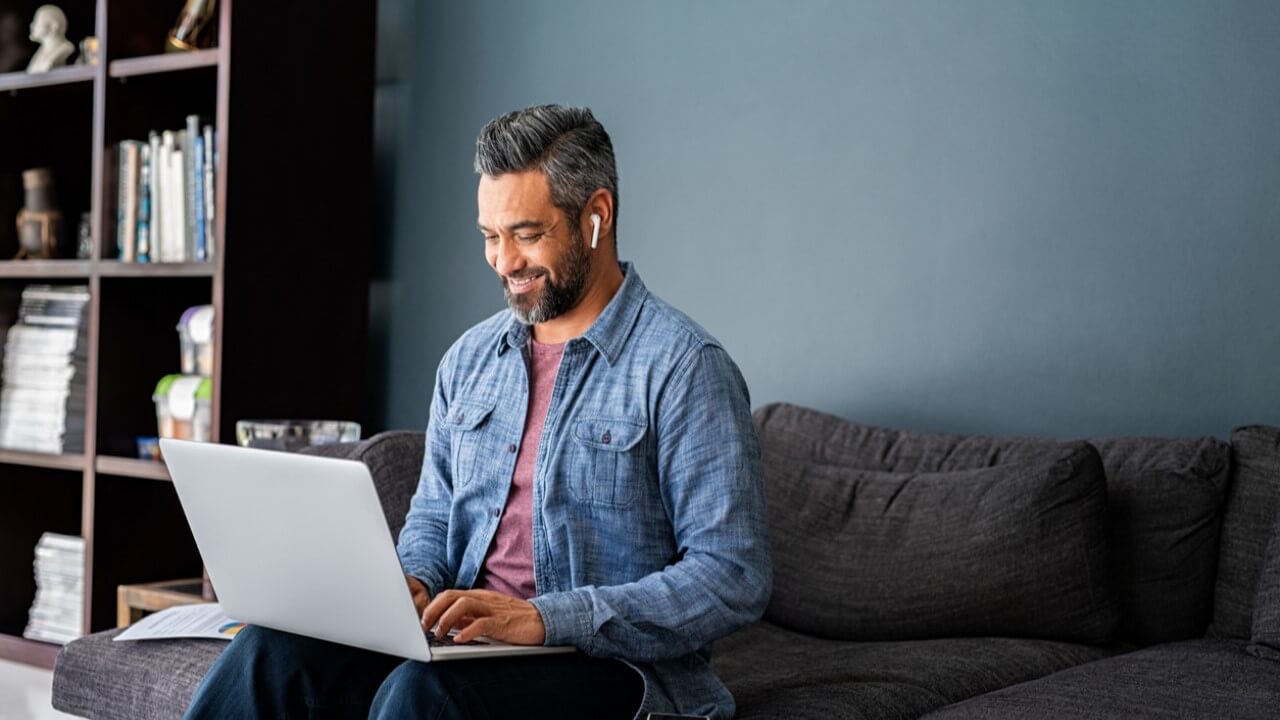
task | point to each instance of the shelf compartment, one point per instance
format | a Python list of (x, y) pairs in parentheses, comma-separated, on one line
[(140, 318), (42, 460), (22, 80), (33, 500), (141, 536), (54, 129), (132, 468), (168, 62)]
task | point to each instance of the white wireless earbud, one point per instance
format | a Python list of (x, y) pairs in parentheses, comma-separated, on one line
[(595, 230)]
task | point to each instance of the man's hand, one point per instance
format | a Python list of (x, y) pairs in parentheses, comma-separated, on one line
[(421, 596), (484, 612)]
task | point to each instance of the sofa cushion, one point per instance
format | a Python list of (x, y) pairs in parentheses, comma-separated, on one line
[(1266, 607), (95, 677), (1015, 550), (776, 673), (1164, 501), (395, 462), (1252, 502), (1164, 511), (1190, 679)]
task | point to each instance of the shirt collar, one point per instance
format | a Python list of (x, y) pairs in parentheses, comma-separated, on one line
[(610, 330)]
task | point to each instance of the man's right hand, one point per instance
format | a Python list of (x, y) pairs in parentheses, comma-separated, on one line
[(421, 596)]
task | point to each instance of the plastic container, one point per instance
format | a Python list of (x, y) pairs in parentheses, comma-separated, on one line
[(184, 407), (195, 336)]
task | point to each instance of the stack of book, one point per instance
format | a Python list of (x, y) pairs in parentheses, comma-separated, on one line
[(57, 614), (165, 195), (42, 396)]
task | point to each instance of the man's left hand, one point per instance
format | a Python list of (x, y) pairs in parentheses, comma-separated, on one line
[(484, 612)]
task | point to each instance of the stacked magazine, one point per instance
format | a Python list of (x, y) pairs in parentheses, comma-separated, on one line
[(57, 613), (42, 397)]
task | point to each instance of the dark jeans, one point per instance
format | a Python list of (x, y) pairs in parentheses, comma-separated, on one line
[(272, 674)]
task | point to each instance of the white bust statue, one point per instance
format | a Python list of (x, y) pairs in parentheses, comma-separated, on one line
[(49, 28)]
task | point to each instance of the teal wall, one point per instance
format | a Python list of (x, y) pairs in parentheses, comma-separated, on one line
[(1005, 216)]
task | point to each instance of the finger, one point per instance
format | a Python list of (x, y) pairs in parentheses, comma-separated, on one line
[(453, 616), (436, 607), (474, 630)]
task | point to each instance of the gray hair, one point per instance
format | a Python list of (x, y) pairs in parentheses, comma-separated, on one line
[(567, 144)]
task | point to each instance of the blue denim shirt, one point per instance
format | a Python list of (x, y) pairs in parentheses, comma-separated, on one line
[(649, 531)]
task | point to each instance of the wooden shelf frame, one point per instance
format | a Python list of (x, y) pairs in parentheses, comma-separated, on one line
[(284, 247), (70, 75), (169, 62)]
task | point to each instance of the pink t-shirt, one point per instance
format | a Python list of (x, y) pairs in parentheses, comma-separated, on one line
[(508, 567)]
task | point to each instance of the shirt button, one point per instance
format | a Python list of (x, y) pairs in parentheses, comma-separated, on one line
[(511, 448), (607, 438), (497, 512)]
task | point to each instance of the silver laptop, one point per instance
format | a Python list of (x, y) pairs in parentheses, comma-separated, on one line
[(299, 543)]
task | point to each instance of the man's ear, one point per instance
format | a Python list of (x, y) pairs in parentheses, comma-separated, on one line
[(600, 203)]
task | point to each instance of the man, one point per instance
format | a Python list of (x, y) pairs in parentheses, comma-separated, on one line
[(592, 478)]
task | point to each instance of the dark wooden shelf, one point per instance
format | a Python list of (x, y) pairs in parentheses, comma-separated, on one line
[(44, 460), (115, 268), (14, 81), (31, 652), (44, 268), (169, 62), (131, 467)]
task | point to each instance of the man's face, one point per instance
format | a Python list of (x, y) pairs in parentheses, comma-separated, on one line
[(537, 252)]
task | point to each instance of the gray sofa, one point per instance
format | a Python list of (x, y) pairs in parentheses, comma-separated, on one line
[(940, 576)]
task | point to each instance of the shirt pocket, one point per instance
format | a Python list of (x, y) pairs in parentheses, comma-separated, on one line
[(611, 461), (470, 452)]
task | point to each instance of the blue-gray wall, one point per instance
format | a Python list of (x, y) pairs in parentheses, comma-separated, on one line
[(1008, 216)]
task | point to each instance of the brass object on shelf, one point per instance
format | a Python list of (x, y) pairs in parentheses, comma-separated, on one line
[(193, 30), (39, 223)]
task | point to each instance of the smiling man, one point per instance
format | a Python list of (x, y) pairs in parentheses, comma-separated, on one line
[(592, 478)]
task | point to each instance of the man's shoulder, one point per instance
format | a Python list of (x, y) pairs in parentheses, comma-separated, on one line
[(659, 317), (479, 338)]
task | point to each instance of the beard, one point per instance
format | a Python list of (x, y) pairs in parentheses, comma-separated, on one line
[(556, 296)]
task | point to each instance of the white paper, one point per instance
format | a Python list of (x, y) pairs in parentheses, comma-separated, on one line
[(205, 620)]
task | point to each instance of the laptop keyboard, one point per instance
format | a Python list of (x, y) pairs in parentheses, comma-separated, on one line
[(433, 641)]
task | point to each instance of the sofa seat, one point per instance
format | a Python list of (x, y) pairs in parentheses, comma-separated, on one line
[(774, 672), (98, 678), (1192, 679)]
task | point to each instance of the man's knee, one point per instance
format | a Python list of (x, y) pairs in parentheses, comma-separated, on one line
[(415, 689)]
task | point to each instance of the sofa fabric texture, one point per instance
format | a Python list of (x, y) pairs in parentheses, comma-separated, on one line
[(1164, 501), (1266, 606), (777, 673), (1190, 679), (98, 678), (1014, 550), (1252, 503)]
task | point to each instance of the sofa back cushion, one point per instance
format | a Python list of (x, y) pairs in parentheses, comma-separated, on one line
[(1164, 512), (1016, 550), (1266, 605), (1164, 501), (395, 462), (1252, 502)]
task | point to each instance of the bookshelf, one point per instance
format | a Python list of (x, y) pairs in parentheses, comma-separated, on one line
[(289, 89)]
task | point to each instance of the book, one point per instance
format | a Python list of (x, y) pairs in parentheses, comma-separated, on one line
[(209, 161), (189, 136), (200, 253), (157, 210), (143, 253), (57, 611), (43, 381), (127, 199)]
